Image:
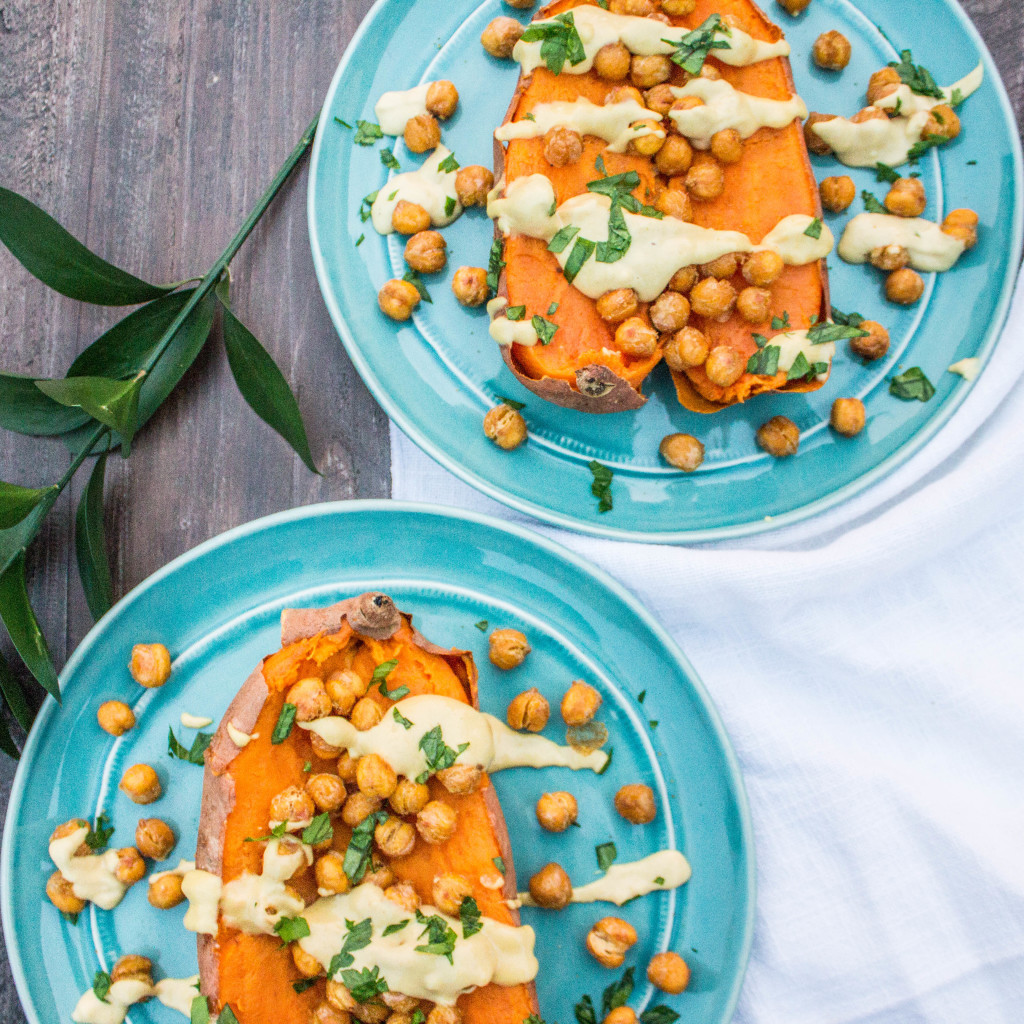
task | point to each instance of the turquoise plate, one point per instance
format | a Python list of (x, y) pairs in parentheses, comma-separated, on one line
[(218, 608), (437, 375)]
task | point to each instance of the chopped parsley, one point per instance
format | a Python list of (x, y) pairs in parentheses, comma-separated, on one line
[(200, 1013), (449, 205), (512, 404), (448, 164), (495, 264), (956, 98), (582, 250), (559, 41), (401, 719), (871, 203), (659, 1014), (469, 915), (918, 77), (101, 985), (848, 319), (562, 238), (641, 697), (277, 832), (193, 754), (307, 767), (366, 206), (396, 927), (765, 361), (601, 488), (358, 937), (360, 240), (482, 624), (912, 386), (291, 929), (367, 133), (823, 333), (499, 863), (364, 985), (659, 880), (417, 282), (883, 172), (99, 836), (357, 853), (344, 124), (441, 937), (283, 726), (606, 854), (653, 723), (437, 753), (304, 985), (380, 680), (515, 312), (693, 49), (781, 323), (319, 830), (607, 764), (226, 1016), (553, 309), (804, 369), (814, 228), (918, 149), (545, 329), (389, 160), (617, 992), (584, 1011)]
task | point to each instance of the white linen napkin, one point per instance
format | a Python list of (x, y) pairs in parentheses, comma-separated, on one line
[(869, 666)]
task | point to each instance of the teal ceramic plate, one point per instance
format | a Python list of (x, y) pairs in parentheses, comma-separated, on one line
[(437, 375), (218, 608)]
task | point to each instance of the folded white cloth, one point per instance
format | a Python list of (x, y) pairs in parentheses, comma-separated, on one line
[(869, 666)]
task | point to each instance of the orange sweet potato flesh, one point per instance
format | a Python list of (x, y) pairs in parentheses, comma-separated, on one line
[(254, 975)]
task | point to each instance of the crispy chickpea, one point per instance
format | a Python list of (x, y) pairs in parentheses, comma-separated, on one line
[(397, 299), (409, 218), (904, 287), (675, 202), (472, 184), (612, 62), (422, 133), (724, 267), (330, 873), (403, 895), (154, 838), (556, 811), (373, 1011), (815, 143), (635, 338), (617, 305), (327, 1014), (647, 144), (293, 804), (366, 714), (132, 967), (869, 114), (469, 286), (306, 964), (754, 305), (713, 298), (646, 72), (461, 779), (310, 700), (375, 777), (550, 887), (889, 257), (943, 121), (762, 269), (562, 146), (621, 1015), (444, 1015), (426, 252), (881, 83), (794, 7), (131, 868), (675, 156), (327, 791), (659, 98), (962, 224), (705, 181), (683, 280), (633, 8), (848, 416), (395, 838), (344, 687), (874, 344), (906, 198), (61, 894), (442, 99), (837, 193), (687, 103), (727, 146), (685, 349), (678, 8), (115, 717), (779, 437), (74, 825), (505, 426), (165, 892), (379, 875), (635, 803), (668, 971), (150, 665), (507, 648), (609, 941), (436, 822), (683, 451), (141, 784), (832, 51), (724, 366), (448, 891), (409, 797), (670, 311), (323, 749), (346, 768), (580, 704), (528, 710), (622, 93)]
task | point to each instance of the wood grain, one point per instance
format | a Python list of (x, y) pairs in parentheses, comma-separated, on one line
[(149, 129)]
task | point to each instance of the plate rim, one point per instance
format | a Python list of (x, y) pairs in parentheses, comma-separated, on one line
[(757, 524), (378, 506)]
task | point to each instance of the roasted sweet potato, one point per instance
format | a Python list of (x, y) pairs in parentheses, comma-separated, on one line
[(253, 973)]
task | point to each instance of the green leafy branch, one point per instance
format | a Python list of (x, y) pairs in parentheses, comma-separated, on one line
[(111, 390)]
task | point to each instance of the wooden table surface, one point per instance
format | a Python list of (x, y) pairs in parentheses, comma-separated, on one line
[(149, 129)]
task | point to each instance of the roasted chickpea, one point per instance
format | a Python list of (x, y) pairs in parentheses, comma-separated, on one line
[(687, 103), (442, 99), (618, 305), (306, 964), (327, 1014), (528, 710), (508, 648), (762, 269), (132, 967), (366, 714), (61, 894), (904, 287), (713, 298), (609, 941), (165, 892), (815, 143), (323, 749), (154, 838), (74, 825), (874, 344), (580, 704), (668, 971), (461, 779), (505, 426), (397, 299), (562, 146), (623, 93), (550, 887), (943, 121), (403, 895), (675, 202), (556, 811), (906, 198), (685, 349), (646, 144), (705, 181), (448, 891), (422, 133), (293, 804), (131, 868), (115, 717), (683, 279), (469, 286), (344, 687), (310, 700), (472, 185), (678, 8), (409, 797), (869, 114), (724, 267), (848, 416), (444, 1015), (633, 8), (150, 665), (621, 1015), (683, 451), (373, 1011), (141, 784), (754, 305), (635, 338), (635, 803), (347, 768), (379, 875), (889, 257), (436, 822), (612, 62), (675, 156), (881, 84), (962, 224), (330, 873), (375, 777), (327, 791), (779, 437), (501, 36), (395, 838), (724, 366), (832, 51), (670, 311), (727, 146), (426, 252), (794, 7), (409, 218), (660, 99), (646, 72), (837, 193)]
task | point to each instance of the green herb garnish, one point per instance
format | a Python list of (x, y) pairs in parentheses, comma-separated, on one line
[(871, 203), (357, 853), (417, 282), (283, 726), (437, 753), (848, 319), (659, 1014), (617, 992), (364, 985), (883, 172), (918, 77), (693, 49), (469, 915), (401, 719), (606, 854), (319, 830), (367, 133), (304, 985), (448, 164), (449, 205), (912, 386), (560, 42), (99, 836), (582, 250), (344, 124), (482, 624), (396, 927), (515, 312), (358, 937), (389, 160), (291, 929), (440, 937), (781, 323), (765, 361), (193, 754), (495, 264), (601, 488), (562, 238), (545, 329), (813, 229), (380, 680), (101, 986), (823, 333)]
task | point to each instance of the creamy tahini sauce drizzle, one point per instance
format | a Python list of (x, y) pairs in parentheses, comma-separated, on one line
[(394, 109), (174, 993), (644, 37), (790, 240), (726, 107), (612, 122), (968, 368), (909, 102), (867, 143), (793, 343), (491, 743), (498, 953), (183, 868), (930, 248), (509, 332), (92, 876), (428, 187)]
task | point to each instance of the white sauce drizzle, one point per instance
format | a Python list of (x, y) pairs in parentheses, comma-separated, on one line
[(91, 876), (174, 993), (909, 102), (183, 868), (195, 721), (429, 187), (930, 248), (611, 122), (793, 343), (880, 140), (509, 332), (491, 743), (726, 107), (790, 240), (394, 109), (644, 37), (968, 368), (202, 889), (239, 738)]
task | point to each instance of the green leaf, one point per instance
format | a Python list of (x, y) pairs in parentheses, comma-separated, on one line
[(54, 256), (418, 283), (91, 544), (469, 915), (17, 502), (438, 754), (283, 725), (23, 627), (263, 385), (659, 1014), (582, 250), (389, 160), (515, 313), (545, 329), (113, 402), (918, 149), (918, 77), (813, 229), (584, 1011), (617, 992), (912, 385), (801, 367), (499, 863), (871, 203), (482, 624), (100, 835), (200, 1011), (226, 1016), (304, 985), (396, 927), (606, 854), (607, 764), (560, 41), (693, 49), (367, 133), (7, 744), (14, 695), (357, 853), (822, 333), (319, 830), (101, 986), (847, 319), (562, 238), (358, 937), (26, 410), (883, 172), (364, 985), (401, 719), (441, 938), (765, 361), (193, 754), (291, 929), (495, 263), (601, 487)]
